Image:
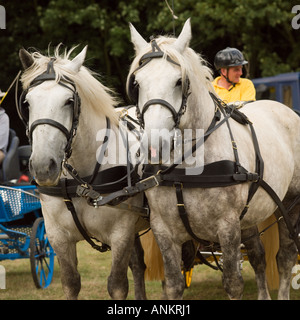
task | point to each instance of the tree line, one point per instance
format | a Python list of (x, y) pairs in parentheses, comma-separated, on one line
[(261, 29)]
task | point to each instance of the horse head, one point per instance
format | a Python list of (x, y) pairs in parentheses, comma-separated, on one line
[(168, 82), (50, 106), (159, 87)]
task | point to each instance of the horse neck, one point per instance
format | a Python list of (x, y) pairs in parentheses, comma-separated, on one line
[(200, 110)]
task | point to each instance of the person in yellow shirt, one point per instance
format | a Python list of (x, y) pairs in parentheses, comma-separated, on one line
[(229, 85)]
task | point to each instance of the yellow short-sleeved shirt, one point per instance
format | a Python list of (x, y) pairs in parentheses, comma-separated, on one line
[(242, 91)]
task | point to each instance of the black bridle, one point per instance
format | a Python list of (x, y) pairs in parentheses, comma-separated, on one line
[(133, 88), (22, 107)]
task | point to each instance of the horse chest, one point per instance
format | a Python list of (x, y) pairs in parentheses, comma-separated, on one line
[(204, 207)]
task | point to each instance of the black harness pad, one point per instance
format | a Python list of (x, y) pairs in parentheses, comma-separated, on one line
[(218, 174), (106, 181)]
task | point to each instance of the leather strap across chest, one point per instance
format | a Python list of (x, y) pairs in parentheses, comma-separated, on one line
[(106, 181), (218, 174), (223, 173)]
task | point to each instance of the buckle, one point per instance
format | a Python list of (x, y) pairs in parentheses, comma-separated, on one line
[(243, 177), (123, 113), (87, 192), (153, 177), (253, 177)]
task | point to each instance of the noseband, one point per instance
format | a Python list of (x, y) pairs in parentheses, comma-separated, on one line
[(23, 112), (133, 88)]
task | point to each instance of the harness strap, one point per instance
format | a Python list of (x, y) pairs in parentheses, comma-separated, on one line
[(102, 152), (162, 102), (259, 169), (71, 208), (182, 212), (285, 213), (162, 175), (49, 122), (127, 192), (212, 127), (234, 145), (258, 182), (217, 174), (206, 262)]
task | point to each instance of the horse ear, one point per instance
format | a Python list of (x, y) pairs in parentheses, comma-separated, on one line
[(138, 41), (77, 62), (185, 36), (26, 58)]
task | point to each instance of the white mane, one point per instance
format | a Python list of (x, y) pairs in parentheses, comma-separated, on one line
[(192, 64), (92, 93)]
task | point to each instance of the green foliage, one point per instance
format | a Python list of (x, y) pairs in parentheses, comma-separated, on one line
[(260, 28)]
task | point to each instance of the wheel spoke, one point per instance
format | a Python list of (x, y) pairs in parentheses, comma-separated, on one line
[(42, 256)]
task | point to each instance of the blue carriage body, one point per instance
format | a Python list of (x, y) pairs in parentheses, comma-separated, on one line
[(15, 229), (22, 231), (284, 88), (16, 201)]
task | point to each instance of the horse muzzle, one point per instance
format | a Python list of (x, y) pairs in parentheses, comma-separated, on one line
[(157, 146), (45, 170)]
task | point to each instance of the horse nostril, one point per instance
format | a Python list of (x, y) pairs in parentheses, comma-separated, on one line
[(52, 166), (45, 170)]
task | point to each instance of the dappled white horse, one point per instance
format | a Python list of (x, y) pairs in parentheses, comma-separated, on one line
[(78, 140), (171, 86)]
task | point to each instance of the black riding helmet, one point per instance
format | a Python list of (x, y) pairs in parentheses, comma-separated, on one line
[(229, 57)]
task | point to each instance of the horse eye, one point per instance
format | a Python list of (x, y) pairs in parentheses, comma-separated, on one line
[(69, 101), (179, 83)]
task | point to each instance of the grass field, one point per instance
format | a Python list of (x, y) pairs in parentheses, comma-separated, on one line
[(94, 269)]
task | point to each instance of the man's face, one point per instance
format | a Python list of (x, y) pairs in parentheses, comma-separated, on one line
[(234, 73)]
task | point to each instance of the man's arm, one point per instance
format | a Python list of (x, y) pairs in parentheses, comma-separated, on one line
[(4, 135)]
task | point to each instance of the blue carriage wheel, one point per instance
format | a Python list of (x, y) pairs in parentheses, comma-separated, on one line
[(41, 255)]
